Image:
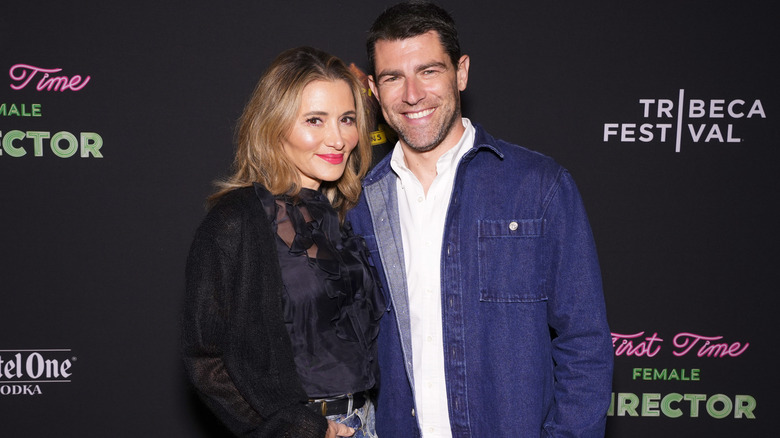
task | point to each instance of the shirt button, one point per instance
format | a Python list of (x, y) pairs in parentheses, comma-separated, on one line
[(420, 199), (429, 339), (412, 412), (513, 225)]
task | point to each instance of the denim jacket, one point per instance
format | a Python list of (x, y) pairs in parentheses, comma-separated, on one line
[(527, 348)]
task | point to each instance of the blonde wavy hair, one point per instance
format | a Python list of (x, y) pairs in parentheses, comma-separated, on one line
[(268, 118)]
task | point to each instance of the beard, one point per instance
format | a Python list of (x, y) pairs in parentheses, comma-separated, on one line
[(428, 138)]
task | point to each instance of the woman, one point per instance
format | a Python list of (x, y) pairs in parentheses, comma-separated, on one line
[(282, 307)]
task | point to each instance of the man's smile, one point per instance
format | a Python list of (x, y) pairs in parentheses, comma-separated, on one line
[(419, 114)]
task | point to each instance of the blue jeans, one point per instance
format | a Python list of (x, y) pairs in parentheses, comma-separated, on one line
[(362, 420)]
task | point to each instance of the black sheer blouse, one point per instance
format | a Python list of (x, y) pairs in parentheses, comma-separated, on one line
[(332, 302)]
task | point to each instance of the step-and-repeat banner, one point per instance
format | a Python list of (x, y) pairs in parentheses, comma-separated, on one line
[(115, 117)]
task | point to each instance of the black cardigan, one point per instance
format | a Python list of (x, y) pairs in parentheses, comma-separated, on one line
[(236, 348)]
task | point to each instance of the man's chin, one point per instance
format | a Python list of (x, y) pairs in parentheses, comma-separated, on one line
[(421, 140), (420, 146)]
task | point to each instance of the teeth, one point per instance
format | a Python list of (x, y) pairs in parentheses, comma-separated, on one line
[(420, 114)]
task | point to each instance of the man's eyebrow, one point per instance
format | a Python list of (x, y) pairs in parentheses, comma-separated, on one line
[(417, 69), (431, 65), (389, 73)]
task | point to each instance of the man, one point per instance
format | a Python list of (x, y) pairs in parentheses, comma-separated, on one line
[(496, 323)]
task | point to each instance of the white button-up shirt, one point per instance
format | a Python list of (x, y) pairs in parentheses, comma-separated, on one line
[(422, 229)]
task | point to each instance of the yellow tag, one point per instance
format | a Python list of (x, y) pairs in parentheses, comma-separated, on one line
[(378, 137)]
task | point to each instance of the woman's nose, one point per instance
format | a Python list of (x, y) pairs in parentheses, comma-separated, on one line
[(334, 138)]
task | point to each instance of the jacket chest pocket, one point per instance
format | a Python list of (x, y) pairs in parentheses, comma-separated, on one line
[(512, 260)]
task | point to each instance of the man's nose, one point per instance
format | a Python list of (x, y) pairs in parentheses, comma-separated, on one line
[(413, 91)]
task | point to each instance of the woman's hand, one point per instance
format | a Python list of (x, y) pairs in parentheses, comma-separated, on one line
[(336, 430)]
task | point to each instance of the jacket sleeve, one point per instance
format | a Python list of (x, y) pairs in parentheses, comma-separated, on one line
[(581, 346), (235, 346)]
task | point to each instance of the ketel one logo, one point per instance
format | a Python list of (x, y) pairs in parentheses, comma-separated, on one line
[(709, 121), (23, 371)]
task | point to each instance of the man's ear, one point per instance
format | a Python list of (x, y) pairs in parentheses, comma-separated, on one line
[(372, 86), (463, 72)]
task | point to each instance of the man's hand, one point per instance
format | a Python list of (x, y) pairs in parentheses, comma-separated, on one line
[(336, 430)]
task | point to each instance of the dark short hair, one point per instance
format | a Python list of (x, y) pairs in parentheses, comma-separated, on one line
[(410, 19)]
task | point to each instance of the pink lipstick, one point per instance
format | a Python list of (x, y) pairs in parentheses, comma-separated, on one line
[(332, 158)]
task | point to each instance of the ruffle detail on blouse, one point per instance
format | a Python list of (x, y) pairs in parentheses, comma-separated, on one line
[(350, 279)]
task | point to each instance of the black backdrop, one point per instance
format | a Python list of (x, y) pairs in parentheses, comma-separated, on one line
[(92, 247)]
